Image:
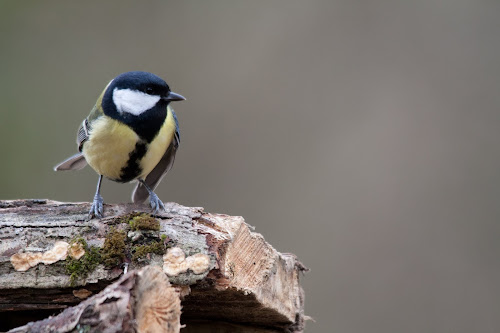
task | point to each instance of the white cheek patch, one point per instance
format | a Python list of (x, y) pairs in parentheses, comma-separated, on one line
[(133, 101)]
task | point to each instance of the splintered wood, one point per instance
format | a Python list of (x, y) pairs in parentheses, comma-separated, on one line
[(141, 300), (227, 277)]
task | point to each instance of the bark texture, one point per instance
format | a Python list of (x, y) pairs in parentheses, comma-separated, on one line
[(227, 276), (140, 301)]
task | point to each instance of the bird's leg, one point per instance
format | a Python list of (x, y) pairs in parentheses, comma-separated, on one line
[(154, 201), (97, 209)]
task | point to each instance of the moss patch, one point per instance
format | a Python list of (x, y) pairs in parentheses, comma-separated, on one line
[(144, 222), (127, 217), (113, 250), (139, 221), (141, 251), (80, 268), (117, 247)]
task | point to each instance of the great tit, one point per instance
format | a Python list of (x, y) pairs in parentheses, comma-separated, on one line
[(132, 133)]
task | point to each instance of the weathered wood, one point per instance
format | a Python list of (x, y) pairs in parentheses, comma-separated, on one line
[(140, 301), (223, 271)]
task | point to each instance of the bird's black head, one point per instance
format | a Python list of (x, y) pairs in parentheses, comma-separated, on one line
[(144, 82), (138, 99)]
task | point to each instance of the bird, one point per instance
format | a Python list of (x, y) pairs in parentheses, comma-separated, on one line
[(131, 134)]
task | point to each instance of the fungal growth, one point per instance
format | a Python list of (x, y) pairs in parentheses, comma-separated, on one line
[(76, 250), (82, 293), (198, 263), (58, 252), (175, 262), (24, 261)]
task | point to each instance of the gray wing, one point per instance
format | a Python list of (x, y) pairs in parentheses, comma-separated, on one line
[(77, 161), (140, 193), (83, 134)]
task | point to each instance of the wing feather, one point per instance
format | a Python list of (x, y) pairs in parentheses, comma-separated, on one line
[(77, 161), (140, 193)]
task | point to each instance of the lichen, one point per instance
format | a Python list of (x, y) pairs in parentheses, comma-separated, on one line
[(113, 250), (141, 251)]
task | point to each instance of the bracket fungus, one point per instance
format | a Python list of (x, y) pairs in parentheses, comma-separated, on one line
[(76, 250), (198, 263), (175, 262), (25, 260), (58, 252)]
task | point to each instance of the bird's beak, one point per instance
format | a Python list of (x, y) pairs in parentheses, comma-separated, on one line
[(172, 97)]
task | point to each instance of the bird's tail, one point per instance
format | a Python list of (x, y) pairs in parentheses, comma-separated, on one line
[(140, 194), (75, 162)]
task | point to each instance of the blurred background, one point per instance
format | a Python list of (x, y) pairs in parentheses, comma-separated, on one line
[(363, 136)]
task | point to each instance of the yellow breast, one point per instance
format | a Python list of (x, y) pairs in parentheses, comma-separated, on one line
[(110, 143)]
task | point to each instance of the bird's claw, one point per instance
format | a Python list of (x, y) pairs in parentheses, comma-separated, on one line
[(156, 203), (97, 209)]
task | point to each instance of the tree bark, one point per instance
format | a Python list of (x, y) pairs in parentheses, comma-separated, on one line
[(141, 301), (227, 277)]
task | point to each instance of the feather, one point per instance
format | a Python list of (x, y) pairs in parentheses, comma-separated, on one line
[(75, 162), (140, 192)]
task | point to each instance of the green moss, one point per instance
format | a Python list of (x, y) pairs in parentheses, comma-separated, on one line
[(141, 251), (139, 221), (79, 239), (144, 222), (116, 249), (113, 250), (80, 268), (127, 217)]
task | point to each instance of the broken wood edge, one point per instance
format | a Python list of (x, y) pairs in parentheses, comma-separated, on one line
[(271, 278), (252, 280), (140, 301)]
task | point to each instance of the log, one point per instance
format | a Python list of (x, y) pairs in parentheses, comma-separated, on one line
[(227, 277), (141, 301)]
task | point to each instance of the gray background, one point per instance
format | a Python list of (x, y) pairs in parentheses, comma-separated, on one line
[(360, 135)]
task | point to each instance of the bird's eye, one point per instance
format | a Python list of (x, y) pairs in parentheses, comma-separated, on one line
[(149, 90)]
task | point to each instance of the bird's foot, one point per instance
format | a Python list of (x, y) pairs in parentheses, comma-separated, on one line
[(155, 202), (97, 209)]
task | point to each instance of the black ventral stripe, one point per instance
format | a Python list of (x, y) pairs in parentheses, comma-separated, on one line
[(133, 168)]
